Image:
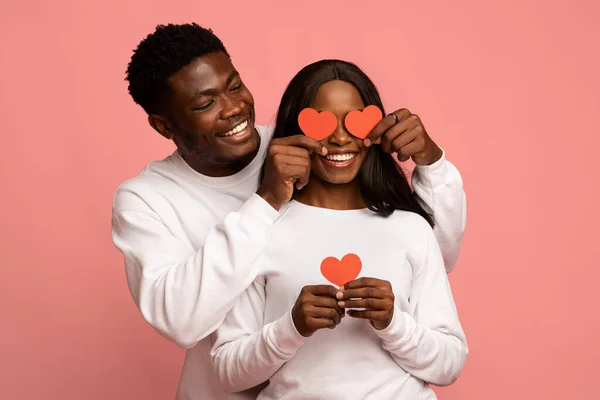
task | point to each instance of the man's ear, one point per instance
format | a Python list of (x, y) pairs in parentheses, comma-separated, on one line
[(162, 125)]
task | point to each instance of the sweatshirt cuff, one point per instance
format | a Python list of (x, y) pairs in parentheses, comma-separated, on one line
[(285, 336), (256, 213), (430, 177), (397, 331)]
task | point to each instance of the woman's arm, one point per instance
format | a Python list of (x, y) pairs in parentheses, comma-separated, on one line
[(428, 341), (245, 353)]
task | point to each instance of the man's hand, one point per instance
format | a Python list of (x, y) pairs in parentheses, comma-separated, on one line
[(405, 135), (316, 308), (374, 295), (287, 163)]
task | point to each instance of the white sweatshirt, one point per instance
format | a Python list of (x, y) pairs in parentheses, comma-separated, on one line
[(424, 342), (190, 242)]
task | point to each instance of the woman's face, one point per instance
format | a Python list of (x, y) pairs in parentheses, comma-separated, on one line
[(345, 153)]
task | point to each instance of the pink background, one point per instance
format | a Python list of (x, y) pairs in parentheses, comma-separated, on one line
[(509, 88)]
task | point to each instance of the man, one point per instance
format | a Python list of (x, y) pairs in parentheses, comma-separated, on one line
[(191, 226)]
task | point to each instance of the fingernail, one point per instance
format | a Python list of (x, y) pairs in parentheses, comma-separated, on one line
[(367, 142), (339, 295), (324, 151), (342, 303)]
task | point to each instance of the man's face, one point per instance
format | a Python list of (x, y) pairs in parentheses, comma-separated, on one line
[(211, 116)]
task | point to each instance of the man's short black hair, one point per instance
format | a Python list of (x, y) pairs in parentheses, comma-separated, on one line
[(162, 54)]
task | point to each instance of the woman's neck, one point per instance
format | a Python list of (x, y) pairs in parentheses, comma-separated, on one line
[(322, 194)]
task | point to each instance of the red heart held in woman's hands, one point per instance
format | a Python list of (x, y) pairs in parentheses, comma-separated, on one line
[(341, 272)]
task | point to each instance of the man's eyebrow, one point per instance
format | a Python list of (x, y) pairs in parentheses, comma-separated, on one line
[(231, 77), (200, 93)]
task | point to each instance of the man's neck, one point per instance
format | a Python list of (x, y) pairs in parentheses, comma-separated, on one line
[(217, 169)]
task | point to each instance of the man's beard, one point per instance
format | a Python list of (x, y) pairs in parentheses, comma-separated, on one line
[(196, 151)]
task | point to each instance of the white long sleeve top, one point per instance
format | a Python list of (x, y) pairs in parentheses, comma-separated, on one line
[(423, 344)]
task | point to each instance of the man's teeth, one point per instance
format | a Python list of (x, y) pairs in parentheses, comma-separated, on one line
[(340, 157), (237, 129)]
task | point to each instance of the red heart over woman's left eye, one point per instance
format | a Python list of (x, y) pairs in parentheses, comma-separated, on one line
[(360, 123)]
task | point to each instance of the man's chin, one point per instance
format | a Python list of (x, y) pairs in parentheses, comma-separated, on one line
[(242, 153)]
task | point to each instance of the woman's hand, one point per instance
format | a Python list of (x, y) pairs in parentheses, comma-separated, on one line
[(374, 295), (316, 308)]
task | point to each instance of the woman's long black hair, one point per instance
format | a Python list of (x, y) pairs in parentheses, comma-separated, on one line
[(383, 185)]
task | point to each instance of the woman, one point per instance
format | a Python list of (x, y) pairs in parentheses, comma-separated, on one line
[(392, 323)]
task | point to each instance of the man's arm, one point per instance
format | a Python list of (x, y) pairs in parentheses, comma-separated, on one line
[(437, 183), (439, 189), (185, 293)]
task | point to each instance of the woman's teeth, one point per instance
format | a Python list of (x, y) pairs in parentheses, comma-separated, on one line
[(237, 129), (340, 157)]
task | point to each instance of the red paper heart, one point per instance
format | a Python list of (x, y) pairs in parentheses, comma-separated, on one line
[(341, 272), (317, 125), (360, 123)]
